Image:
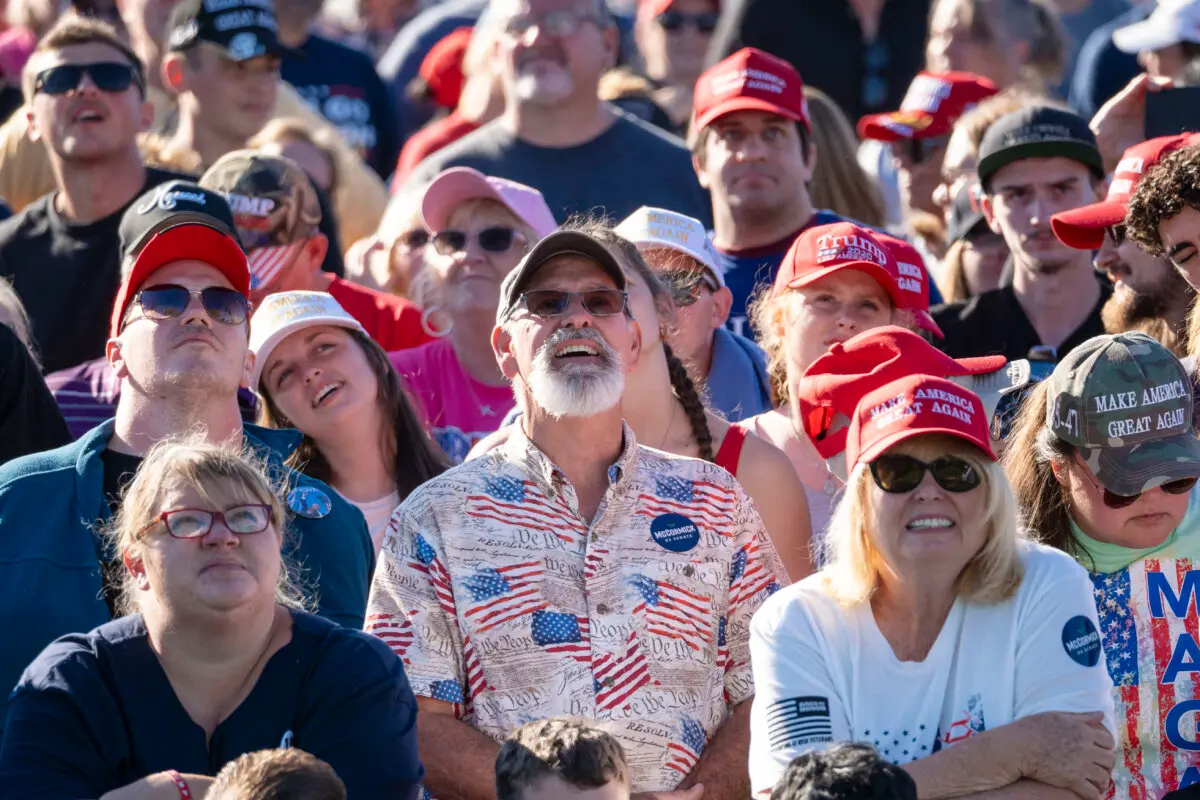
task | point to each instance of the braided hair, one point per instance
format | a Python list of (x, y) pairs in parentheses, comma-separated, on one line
[(682, 385)]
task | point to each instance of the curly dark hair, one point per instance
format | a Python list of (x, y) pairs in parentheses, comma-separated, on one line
[(1161, 194), (844, 771)]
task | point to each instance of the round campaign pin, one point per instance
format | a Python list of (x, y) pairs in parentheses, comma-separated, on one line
[(1081, 640), (310, 502), (675, 532)]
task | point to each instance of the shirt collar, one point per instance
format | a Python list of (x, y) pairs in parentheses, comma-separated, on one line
[(523, 453)]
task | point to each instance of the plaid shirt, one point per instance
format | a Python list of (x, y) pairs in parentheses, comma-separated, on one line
[(504, 601)]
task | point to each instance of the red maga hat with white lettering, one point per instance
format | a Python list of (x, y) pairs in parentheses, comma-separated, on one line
[(826, 249), (915, 406), (913, 280), (1083, 228), (934, 101), (749, 80)]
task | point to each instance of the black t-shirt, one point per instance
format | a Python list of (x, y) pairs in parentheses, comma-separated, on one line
[(30, 421), (994, 323), (341, 84), (119, 469), (66, 275)]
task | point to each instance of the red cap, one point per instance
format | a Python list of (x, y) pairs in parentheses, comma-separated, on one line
[(749, 80), (442, 67), (190, 240), (913, 280), (913, 406), (836, 381), (826, 249), (1083, 228), (933, 102)]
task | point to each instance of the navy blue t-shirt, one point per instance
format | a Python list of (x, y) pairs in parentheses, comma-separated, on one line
[(95, 712), (340, 83)]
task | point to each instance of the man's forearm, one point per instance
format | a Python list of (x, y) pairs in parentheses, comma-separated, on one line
[(160, 787), (460, 762), (1026, 790), (988, 761), (723, 766)]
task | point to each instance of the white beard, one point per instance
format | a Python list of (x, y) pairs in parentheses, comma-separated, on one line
[(563, 389)]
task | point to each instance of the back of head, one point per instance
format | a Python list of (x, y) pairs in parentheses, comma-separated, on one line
[(277, 775), (844, 772), (571, 750)]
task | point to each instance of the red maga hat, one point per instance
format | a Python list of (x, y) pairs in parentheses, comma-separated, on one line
[(913, 280), (749, 80), (826, 249), (935, 100)]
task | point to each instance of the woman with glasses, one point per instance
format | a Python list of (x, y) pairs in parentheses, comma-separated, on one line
[(317, 370), (934, 633), (1103, 464), (482, 226), (212, 659)]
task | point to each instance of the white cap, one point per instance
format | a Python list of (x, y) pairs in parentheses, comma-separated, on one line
[(284, 313), (659, 229), (1172, 22)]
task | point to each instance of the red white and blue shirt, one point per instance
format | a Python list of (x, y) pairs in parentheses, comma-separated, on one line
[(503, 600)]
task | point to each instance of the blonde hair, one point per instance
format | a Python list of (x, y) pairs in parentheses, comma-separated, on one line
[(10, 301), (270, 774), (219, 474), (1003, 22), (838, 182), (289, 129), (853, 562), (951, 279)]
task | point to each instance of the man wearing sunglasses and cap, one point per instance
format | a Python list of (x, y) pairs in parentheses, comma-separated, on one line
[(673, 37), (277, 215), (591, 576), (180, 345)]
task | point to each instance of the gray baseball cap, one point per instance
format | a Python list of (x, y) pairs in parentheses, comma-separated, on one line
[(558, 243)]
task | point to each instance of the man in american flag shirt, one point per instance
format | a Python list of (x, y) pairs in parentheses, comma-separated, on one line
[(572, 572)]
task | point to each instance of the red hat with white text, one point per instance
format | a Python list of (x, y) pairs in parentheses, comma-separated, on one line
[(913, 279), (826, 249), (749, 80), (934, 102)]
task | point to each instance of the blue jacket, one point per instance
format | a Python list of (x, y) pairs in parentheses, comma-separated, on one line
[(738, 385), (50, 581)]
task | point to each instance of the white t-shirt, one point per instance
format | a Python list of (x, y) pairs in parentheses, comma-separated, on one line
[(825, 673), (377, 514)]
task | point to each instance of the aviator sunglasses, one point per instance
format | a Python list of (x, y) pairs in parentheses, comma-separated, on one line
[(168, 301), (109, 76), (192, 523), (897, 474), (553, 302), (704, 21)]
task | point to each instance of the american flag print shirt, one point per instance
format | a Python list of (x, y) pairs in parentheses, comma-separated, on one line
[(501, 599)]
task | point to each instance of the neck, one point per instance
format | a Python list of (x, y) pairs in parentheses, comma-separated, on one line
[(648, 409), (910, 614), (736, 229), (209, 144), (1057, 304), (582, 447), (142, 421), (293, 32), (92, 191), (356, 457), (471, 338), (565, 125)]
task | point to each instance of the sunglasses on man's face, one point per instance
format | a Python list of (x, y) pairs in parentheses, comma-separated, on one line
[(491, 240), (554, 303), (703, 21), (168, 301), (109, 76), (918, 151), (898, 474)]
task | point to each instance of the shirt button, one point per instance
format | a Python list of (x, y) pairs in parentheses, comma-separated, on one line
[(602, 609), (689, 570)]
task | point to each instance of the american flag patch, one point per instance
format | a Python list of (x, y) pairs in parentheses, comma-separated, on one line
[(798, 720)]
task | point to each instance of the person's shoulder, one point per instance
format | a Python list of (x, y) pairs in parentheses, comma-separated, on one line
[(412, 359), (659, 464), (475, 148), (79, 657), (1045, 567), (328, 640), (801, 604), (49, 465), (382, 301), (29, 219)]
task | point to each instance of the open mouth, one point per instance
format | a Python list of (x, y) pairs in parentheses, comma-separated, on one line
[(578, 351), (930, 524), (326, 392), (87, 114)]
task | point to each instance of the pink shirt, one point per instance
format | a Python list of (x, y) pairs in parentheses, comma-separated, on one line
[(459, 409)]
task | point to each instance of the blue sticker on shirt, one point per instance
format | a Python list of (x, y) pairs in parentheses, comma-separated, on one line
[(310, 502), (1081, 640), (675, 532)]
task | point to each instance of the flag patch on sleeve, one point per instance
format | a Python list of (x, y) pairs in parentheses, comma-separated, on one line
[(799, 721)]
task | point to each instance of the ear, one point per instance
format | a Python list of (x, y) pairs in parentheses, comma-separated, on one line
[(247, 369), (31, 128), (635, 345), (1060, 471), (502, 347), (811, 160), (174, 74), (722, 303), (701, 176), (136, 567), (315, 249), (989, 213), (116, 358), (612, 44)]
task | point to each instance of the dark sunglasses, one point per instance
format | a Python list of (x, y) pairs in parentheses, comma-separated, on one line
[(414, 239), (192, 523), (1114, 500), (492, 240), (918, 151), (554, 303), (703, 21), (169, 301), (897, 474), (109, 76)]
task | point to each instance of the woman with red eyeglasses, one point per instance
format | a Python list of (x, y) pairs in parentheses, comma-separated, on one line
[(1103, 462)]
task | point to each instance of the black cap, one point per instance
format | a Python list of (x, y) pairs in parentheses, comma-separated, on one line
[(169, 205), (244, 28), (558, 243), (966, 214), (1038, 132)]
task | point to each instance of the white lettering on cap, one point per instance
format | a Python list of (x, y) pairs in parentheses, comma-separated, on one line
[(849, 248), (167, 200), (1131, 164), (926, 93), (250, 206), (734, 80)]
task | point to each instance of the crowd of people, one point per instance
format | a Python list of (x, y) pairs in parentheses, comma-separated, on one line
[(642, 400)]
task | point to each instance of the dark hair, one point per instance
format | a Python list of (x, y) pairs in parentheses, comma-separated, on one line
[(414, 456), (846, 771), (1162, 193), (571, 749), (277, 775), (74, 30), (682, 385)]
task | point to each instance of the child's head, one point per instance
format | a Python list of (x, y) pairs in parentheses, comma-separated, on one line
[(277, 775), (557, 759), (848, 771)]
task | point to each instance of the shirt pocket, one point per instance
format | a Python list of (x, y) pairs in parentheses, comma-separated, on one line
[(678, 608)]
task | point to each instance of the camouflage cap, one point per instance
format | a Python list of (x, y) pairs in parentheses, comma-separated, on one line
[(273, 201), (1125, 402)]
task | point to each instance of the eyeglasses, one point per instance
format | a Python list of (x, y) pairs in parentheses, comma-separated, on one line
[(109, 76), (897, 474), (192, 523), (1114, 500), (554, 303), (559, 24), (918, 151), (703, 21), (169, 301), (492, 240), (414, 239)]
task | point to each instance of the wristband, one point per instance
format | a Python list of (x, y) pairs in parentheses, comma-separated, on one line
[(185, 793)]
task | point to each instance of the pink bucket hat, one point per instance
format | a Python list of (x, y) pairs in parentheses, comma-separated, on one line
[(453, 187)]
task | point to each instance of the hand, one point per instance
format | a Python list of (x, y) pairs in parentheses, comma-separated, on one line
[(694, 793), (1121, 122), (1070, 751)]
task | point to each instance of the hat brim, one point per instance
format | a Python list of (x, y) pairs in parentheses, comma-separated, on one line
[(884, 278), (559, 243), (880, 446), (1149, 34), (895, 126), (966, 224), (263, 352), (1084, 153), (1130, 470), (1083, 228), (735, 104), (991, 386), (926, 322)]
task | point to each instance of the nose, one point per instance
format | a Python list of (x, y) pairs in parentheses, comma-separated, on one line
[(311, 374), (219, 535), (928, 488), (195, 312), (752, 148), (1109, 262)]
